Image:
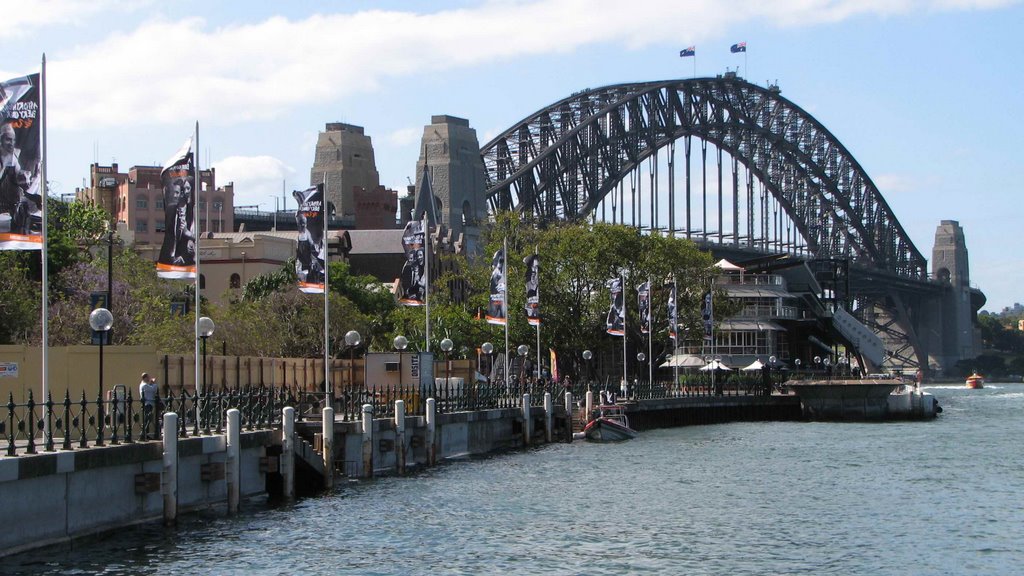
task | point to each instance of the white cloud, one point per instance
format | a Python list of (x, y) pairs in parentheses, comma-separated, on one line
[(890, 183), (24, 20), (164, 70), (405, 136), (257, 179)]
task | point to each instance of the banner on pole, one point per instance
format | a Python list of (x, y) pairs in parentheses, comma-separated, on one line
[(707, 315), (673, 319), (21, 197), (532, 289), (311, 246), (496, 306), (644, 307), (413, 281), (616, 322), (178, 253)]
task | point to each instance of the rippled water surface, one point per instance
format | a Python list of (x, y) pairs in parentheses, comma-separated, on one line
[(938, 497)]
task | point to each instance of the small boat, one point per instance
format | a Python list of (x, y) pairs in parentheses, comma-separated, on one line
[(609, 424), (975, 381)]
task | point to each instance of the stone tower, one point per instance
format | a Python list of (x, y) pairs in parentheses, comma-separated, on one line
[(959, 339), (451, 153), (345, 154)]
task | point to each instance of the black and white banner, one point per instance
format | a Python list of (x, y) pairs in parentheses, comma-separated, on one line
[(532, 289), (707, 315), (496, 307), (413, 282), (21, 199), (178, 252), (311, 247), (673, 316), (617, 310), (643, 293)]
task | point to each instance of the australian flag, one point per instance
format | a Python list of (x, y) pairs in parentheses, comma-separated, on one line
[(691, 51), (740, 47)]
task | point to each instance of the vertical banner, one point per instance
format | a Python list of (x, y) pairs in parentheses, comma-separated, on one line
[(310, 250), (532, 289), (616, 312), (496, 306), (554, 365), (643, 293), (21, 196), (707, 315), (178, 252), (413, 282), (673, 318)]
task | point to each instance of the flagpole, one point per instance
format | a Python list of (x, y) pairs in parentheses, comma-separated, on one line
[(625, 315), (675, 329), (328, 401), (426, 274), (650, 334), (536, 252), (44, 253), (505, 302), (198, 239)]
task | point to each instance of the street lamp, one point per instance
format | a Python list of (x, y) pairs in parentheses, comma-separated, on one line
[(488, 349), (400, 343), (446, 347), (587, 356), (206, 327), (352, 339), (522, 350), (101, 320), (640, 357)]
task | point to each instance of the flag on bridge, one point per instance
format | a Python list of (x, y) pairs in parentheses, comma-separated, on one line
[(691, 51), (21, 198), (738, 47)]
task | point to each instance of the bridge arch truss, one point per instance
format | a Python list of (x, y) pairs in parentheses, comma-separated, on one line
[(787, 186)]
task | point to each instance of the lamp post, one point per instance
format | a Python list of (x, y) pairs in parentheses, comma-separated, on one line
[(522, 350), (587, 356), (446, 347), (828, 369), (206, 328), (352, 339), (100, 320), (797, 364), (640, 357), (400, 343), (488, 349)]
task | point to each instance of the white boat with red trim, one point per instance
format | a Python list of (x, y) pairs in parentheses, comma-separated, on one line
[(609, 423)]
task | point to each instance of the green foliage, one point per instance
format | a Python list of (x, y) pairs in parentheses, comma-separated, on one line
[(19, 300)]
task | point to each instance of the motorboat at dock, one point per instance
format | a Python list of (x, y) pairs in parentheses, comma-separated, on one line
[(609, 423)]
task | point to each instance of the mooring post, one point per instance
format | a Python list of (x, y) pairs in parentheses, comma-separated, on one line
[(288, 452), (431, 432), (232, 473), (328, 433), (590, 405), (367, 441), (400, 435), (169, 482), (526, 419), (570, 409), (549, 406)]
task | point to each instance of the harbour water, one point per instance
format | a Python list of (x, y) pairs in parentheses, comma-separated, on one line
[(935, 497)]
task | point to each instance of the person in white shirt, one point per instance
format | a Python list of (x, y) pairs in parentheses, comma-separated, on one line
[(147, 395)]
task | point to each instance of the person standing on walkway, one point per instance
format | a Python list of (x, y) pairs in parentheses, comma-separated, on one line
[(147, 395)]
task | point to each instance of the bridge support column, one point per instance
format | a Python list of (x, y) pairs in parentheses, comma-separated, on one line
[(400, 436), (232, 466), (328, 434), (367, 441), (287, 466), (169, 482)]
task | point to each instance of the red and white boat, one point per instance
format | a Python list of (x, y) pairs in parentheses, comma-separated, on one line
[(609, 424), (975, 381)]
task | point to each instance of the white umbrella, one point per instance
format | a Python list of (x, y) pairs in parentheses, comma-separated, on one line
[(715, 366), (755, 365)]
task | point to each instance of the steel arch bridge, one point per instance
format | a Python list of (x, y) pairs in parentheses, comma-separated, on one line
[(581, 153)]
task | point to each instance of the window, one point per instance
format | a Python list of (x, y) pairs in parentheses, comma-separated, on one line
[(141, 226), (202, 281), (218, 203), (159, 226), (236, 281), (159, 204), (141, 202), (202, 205)]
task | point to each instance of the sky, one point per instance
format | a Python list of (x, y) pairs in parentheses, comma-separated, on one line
[(923, 93)]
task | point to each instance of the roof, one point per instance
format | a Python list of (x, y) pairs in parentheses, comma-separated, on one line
[(756, 291), (751, 325), (376, 241)]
